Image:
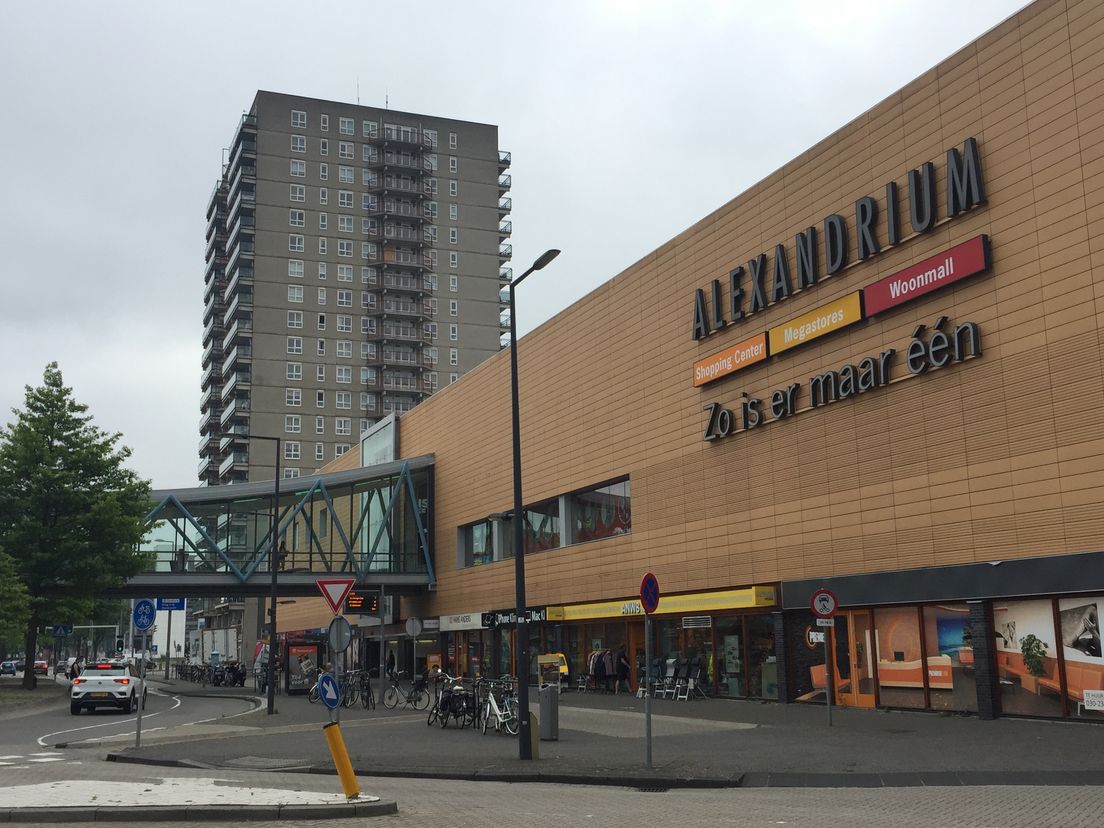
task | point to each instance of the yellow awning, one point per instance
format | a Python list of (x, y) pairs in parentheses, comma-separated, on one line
[(695, 602)]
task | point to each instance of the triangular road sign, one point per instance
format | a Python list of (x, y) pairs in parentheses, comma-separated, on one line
[(335, 590)]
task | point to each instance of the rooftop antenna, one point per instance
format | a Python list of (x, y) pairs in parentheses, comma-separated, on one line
[(385, 101), (358, 91)]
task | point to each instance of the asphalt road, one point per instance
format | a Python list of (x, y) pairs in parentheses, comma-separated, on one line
[(30, 736)]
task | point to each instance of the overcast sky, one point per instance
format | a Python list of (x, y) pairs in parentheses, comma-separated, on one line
[(115, 115)]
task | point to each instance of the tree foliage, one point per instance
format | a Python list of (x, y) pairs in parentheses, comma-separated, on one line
[(14, 602), (71, 513)]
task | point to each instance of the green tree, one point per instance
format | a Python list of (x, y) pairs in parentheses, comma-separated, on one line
[(14, 603), (71, 513)]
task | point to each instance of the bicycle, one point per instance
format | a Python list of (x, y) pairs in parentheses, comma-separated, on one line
[(417, 697), (367, 697), (456, 702), (350, 688), (504, 715)]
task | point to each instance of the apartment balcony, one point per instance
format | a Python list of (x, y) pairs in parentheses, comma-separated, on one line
[(241, 353), (212, 329), (389, 208), (241, 229), (393, 383), (398, 405), (242, 252), (395, 307), (241, 275), (205, 378), (503, 160), (209, 307), (429, 359), (393, 356), (504, 296), (401, 332), (236, 435), (505, 229), (214, 243), (214, 200), (211, 350), (207, 443), (505, 205), (403, 234), (246, 198), (237, 407), (242, 327), (213, 264), (397, 280), (404, 185), (205, 400), (239, 380), (506, 274), (247, 173), (235, 461), (244, 150), (503, 183), (243, 300), (207, 465), (206, 418), (400, 162), (406, 137), (505, 251)]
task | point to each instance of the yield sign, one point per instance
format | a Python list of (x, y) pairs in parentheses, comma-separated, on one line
[(335, 590)]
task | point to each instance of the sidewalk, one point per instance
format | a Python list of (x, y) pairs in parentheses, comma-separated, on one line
[(703, 743)]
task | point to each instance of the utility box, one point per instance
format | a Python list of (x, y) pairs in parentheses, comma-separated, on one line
[(550, 713)]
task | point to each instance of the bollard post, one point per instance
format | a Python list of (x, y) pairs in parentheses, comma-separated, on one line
[(534, 734), (341, 761)]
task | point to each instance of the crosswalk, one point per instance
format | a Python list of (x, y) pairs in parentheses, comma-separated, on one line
[(22, 761)]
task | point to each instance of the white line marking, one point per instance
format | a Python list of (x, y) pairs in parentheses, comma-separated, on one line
[(42, 739)]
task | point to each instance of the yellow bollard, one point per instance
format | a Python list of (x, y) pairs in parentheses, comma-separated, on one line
[(341, 760)]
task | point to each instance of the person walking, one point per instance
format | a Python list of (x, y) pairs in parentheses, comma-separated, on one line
[(623, 668), (390, 662)]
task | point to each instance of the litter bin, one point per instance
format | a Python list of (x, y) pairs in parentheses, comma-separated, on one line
[(550, 713)]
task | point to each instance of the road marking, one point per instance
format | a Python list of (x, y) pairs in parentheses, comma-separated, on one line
[(145, 717)]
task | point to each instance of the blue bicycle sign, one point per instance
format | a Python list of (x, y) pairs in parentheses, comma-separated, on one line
[(145, 613)]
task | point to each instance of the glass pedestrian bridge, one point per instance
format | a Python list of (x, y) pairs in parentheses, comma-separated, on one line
[(373, 523)]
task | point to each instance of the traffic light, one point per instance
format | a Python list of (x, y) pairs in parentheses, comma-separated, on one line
[(118, 645)]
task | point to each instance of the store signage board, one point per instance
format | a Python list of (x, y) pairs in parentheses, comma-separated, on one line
[(959, 262), (823, 603), (649, 593), (335, 590), (1094, 700)]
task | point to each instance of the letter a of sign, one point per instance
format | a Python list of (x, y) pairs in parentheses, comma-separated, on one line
[(335, 590)]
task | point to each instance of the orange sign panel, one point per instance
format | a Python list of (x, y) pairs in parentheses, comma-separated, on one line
[(730, 360), (847, 310)]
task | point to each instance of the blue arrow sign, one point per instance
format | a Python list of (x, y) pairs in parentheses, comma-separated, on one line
[(170, 603), (62, 630), (145, 613), (329, 691)]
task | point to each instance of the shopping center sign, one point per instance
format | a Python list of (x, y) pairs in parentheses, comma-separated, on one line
[(767, 280)]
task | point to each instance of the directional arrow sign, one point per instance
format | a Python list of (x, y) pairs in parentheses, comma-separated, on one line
[(334, 591), (329, 691)]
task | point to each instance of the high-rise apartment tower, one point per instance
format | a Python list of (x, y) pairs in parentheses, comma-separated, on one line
[(356, 261)]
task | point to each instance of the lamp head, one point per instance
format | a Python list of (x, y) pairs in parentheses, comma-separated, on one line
[(545, 258)]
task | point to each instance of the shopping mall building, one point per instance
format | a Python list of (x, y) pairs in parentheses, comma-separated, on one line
[(877, 371)]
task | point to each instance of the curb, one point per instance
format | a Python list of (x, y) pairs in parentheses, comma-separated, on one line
[(225, 814)]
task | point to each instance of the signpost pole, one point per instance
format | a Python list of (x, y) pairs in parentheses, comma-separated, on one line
[(168, 647), (647, 691), (141, 706), (382, 647), (828, 674)]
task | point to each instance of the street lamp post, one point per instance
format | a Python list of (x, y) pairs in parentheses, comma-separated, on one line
[(272, 565), (525, 745)]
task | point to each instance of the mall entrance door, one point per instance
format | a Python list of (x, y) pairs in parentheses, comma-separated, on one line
[(853, 645)]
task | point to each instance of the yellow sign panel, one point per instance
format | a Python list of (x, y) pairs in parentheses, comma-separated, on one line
[(847, 310), (757, 596)]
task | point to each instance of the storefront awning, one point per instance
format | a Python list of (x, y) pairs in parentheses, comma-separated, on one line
[(729, 599)]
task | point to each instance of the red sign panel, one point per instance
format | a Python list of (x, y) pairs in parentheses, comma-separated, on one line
[(946, 268)]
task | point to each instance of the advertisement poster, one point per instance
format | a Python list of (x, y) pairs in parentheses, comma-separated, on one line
[(302, 667)]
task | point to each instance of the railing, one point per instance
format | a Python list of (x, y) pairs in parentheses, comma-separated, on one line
[(503, 159), (504, 182), (505, 205), (241, 274), (237, 458), (401, 332), (506, 228), (405, 308), (400, 383), (401, 281), (242, 299), (505, 251), (243, 326), (242, 351), (506, 274)]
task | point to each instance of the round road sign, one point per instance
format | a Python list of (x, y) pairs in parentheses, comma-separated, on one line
[(340, 634), (413, 627), (649, 593), (824, 603), (329, 691), (145, 613)]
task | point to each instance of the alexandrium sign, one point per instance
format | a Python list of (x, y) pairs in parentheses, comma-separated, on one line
[(940, 271)]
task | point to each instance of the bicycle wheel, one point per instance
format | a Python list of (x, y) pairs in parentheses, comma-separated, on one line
[(367, 697), (313, 696), (433, 712), (391, 697), (353, 694), (443, 717), (421, 699), (511, 720), (486, 717)]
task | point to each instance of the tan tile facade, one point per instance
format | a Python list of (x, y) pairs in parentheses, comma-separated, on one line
[(994, 458)]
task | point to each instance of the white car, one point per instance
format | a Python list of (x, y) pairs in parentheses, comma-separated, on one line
[(107, 684)]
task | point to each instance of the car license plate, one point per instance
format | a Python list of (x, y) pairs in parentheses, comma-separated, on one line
[(101, 695)]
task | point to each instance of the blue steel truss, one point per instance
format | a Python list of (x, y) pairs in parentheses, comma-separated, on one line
[(199, 550)]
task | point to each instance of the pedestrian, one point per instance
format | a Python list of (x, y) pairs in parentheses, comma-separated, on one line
[(623, 669), (390, 662)]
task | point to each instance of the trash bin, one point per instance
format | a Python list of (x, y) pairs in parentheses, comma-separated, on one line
[(550, 713)]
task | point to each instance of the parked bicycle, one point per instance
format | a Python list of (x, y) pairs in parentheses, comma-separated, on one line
[(454, 700), (417, 696), (499, 710)]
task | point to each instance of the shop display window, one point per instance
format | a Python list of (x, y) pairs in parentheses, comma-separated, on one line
[(900, 657), (731, 674), (1027, 657), (950, 657), (762, 662), (807, 648), (1079, 630), (602, 512)]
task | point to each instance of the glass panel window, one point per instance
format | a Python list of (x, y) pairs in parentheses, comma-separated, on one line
[(295, 268), (298, 168), (452, 212), (323, 221), (320, 373), (345, 149), (291, 449), (323, 172), (345, 198), (343, 426), (297, 192), (344, 174), (345, 247), (297, 218), (454, 259), (298, 119), (369, 129), (344, 298), (294, 319), (320, 399), (454, 356), (454, 333), (452, 140), (345, 225), (298, 143), (344, 374), (295, 243), (542, 526), (295, 370), (322, 300), (319, 451), (899, 657), (292, 423), (602, 512), (323, 147), (1079, 627), (295, 293), (324, 123), (951, 685), (295, 344), (1027, 657), (345, 126), (345, 349), (323, 196), (321, 350), (293, 397), (344, 273), (478, 543), (345, 323), (319, 425), (322, 271), (344, 399), (323, 246)]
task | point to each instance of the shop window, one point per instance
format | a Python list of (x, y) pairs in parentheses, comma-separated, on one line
[(1027, 658), (806, 643), (477, 543), (899, 655), (1079, 626), (542, 526), (731, 675), (950, 657), (602, 512)]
